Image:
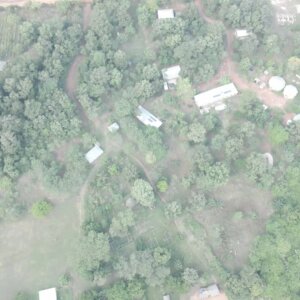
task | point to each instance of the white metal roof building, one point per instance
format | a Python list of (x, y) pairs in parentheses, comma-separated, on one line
[(290, 92), (296, 118), (269, 157), (276, 83), (2, 65), (210, 291), (49, 294), (165, 14), (167, 297), (147, 118), (212, 97), (94, 153), (242, 33), (298, 8), (113, 127), (171, 74)]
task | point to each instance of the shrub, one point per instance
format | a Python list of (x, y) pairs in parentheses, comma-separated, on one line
[(41, 208)]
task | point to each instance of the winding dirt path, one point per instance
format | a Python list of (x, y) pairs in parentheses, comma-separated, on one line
[(71, 89), (229, 69)]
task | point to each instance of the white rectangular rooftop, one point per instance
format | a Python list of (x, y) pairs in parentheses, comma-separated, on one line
[(49, 294), (165, 14), (298, 8), (210, 291), (171, 74), (212, 97), (2, 65), (242, 33), (93, 154), (147, 118)]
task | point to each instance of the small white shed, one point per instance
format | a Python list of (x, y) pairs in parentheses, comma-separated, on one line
[(167, 297), (165, 14), (2, 65), (49, 294), (113, 127), (242, 33), (94, 153), (276, 83)]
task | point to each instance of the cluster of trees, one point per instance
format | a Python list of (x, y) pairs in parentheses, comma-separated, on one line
[(254, 15), (190, 42), (36, 114)]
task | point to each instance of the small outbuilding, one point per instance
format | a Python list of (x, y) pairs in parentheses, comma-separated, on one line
[(2, 65), (298, 8), (170, 76), (242, 33), (269, 157), (113, 127), (49, 294), (276, 83), (296, 118), (165, 14), (167, 297), (290, 92), (94, 153), (147, 118)]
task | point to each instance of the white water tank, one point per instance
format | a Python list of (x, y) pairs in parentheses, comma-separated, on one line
[(290, 92), (276, 83)]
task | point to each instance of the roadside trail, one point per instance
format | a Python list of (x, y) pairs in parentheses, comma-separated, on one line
[(228, 68)]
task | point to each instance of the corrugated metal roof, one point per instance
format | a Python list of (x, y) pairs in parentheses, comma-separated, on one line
[(165, 14), (213, 96), (147, 118), (49, 294), (169, 74), (93, 154)]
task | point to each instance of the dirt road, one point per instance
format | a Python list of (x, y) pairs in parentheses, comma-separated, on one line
[(229, 69)]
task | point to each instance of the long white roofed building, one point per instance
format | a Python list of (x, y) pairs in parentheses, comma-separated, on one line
[(215, 96), (147, 118)]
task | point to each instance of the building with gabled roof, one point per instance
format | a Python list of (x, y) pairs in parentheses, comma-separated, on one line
[(113, 127), (93, 154), (49, 294), (242, 33), (170, 76), (214, 96), (2, 65), (147, 118), (165, 14)]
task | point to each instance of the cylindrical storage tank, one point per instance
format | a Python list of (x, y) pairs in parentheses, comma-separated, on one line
[(276, 83), (290, 92)]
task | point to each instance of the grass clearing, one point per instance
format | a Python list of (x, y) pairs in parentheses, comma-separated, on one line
[(35, 252)]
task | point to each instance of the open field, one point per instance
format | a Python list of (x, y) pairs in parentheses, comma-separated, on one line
[(34, 253)]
